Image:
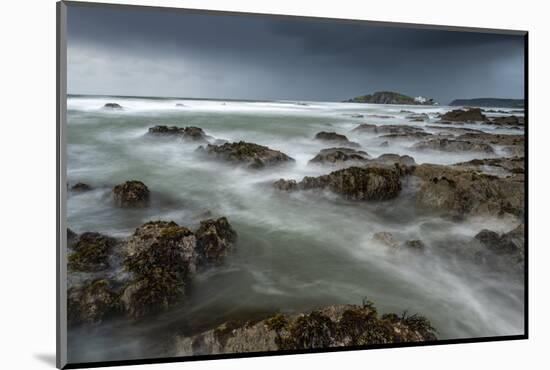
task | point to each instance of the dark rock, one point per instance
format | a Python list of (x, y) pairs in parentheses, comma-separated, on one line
[(254, 156), (91, 252), (188, 133), (131, 194), (335, 138), (454, 146), (465, 192), (507, 121), (91, 302), (390, 129), (339, 155), (354, 183), (459, 115), (403, 164), (331, 326), (112, 106), (415, 245), (214, 240), (71, 235), (80, 186), (511, 165), (286, 185)]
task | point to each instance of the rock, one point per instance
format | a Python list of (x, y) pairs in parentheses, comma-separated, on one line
[(386, 239), (71, 235), (91, 302), (254, 156), (418, 117), (286, 185), (131, 194), (114, 106), (447, 145), (511, 165), (403, 164), (366, 128), (407, 136), (459, 115), (353, 183), (335, 138), (214, 240), (507, 121), (80, 186), (328, 327), (91, 252), (494, 139), (180, 105), (501, 252), (190, 133), (339, 155), (415, 245), (465, 192), (163, 256), (384, 144)]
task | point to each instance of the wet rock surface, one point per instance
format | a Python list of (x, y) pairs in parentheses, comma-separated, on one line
[(331, 326), (190, 133), (468, 115), (454, 146), (112, 106), (333, 137), (81, 187), (339, 155), (251, 155), (466, 192), (131, 194), (353, 183), (90, 251)]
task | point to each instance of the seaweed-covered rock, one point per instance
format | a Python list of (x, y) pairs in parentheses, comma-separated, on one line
[(339, 155), (331, 326), (459, 115), (385, 238), (354, 183), (335, 138), (454, 146), (414, 245), (80, 187), (214, 239), (91, 252), (254, 156), (404, 164), (162, 257), (189, 133), (91, 302), (113, 106), (131, 194), (466, 192)]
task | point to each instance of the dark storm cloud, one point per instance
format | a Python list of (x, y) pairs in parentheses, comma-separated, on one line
[(133, 51)]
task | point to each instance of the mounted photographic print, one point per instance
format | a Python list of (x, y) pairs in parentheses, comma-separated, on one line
[(234, 184)]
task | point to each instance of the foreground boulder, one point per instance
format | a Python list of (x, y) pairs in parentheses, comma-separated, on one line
[(459, 115), (462, 192), (91, 302), (113, 106), (339, 155), (131, 194), (333, 137), (163, 256), (447, 145), (328, 327), (254, 156), (353, 183), (90, 252), (189, 133)]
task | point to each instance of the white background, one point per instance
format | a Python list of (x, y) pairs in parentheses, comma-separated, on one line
[(27, 183)]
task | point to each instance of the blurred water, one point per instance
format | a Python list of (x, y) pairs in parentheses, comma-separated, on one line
[(295, 251)]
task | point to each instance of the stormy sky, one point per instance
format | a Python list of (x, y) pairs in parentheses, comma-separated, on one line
[(149, 52)]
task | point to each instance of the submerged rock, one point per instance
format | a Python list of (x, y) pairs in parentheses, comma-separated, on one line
[(80, 187), (353, 183), (335, 138), (454, 146), (466, 192), (328, 327), (389, 130), (459, 115), (254, 156), (131, 194), (386, 239), (114, 106), (515, 165), (339, 155), (91, 252), (91, 302)]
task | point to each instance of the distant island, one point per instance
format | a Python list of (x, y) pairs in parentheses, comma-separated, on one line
[(390, 97), (489, 102)]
